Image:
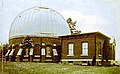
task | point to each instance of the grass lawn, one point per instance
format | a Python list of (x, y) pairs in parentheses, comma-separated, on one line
[(52, 68)]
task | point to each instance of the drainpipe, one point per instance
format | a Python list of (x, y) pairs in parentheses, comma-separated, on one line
[(94, 58), (60, 56), (95, 49)]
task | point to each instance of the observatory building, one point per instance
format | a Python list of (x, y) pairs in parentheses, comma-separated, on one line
[(42, 34)]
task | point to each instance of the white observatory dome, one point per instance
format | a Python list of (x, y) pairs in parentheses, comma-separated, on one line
[(39, 21)]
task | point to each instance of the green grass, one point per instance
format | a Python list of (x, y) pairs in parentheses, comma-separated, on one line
[(50, 68)]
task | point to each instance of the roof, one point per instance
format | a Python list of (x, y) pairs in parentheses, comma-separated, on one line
[(39, 21), (86, 34)]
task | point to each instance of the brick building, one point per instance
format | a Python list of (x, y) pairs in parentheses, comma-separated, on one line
[(52, 40)]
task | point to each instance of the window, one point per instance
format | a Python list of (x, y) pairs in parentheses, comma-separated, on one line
[(55, 52), (99, 48), (85, 49), (31, 51), (48, 51), (43, 44), (54, 45), (27, 51), (70, 49), (43, 51)]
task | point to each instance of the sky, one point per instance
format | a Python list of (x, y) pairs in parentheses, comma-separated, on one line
[(91, 15)]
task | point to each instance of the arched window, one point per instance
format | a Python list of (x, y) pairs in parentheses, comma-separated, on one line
[(27, 51), (37, 48), (48, 50)]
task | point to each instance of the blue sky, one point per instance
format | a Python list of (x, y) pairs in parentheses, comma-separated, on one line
[(91, 15)]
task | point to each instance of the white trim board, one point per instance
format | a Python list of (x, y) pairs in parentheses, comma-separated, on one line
[(76, 59), (79, 60)]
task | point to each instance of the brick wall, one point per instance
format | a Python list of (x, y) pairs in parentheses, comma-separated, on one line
[(77, 41)]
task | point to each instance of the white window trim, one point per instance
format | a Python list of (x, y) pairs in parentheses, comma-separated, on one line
[(43, 44), (43, 51), (54, 45), (11, 53), (70, 55), (99, 55), (37, 56), (55, 52), (20, 51), (82, 54), (31, 51), (69, 49), (7, 54)]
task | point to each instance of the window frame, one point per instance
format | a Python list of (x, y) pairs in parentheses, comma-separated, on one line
[(43, 52), (48, 50), (70, 51), (85, 50), (55, 52), (100, 49)]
